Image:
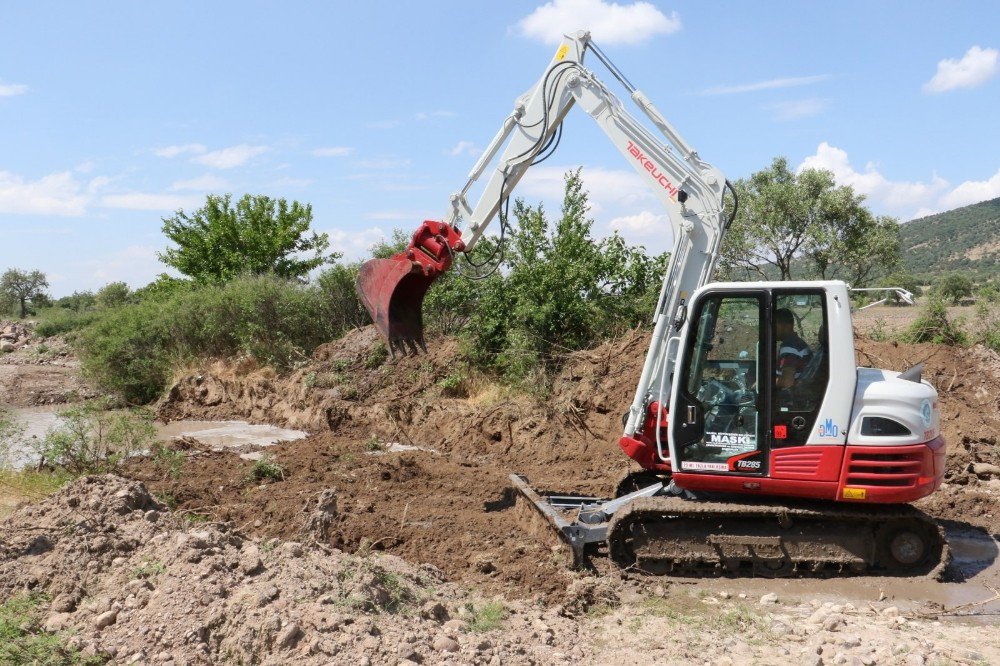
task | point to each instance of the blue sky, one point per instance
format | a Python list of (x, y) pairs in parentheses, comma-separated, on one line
[(115, 114)]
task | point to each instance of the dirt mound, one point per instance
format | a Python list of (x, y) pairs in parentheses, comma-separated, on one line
[(419, 454), (130, 580)]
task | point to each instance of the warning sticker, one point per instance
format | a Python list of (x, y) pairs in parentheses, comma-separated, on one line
[(855, 493), (563, 50)]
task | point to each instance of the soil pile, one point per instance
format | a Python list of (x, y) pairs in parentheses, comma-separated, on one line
[(129, 580), (37, 371), (419, 455)]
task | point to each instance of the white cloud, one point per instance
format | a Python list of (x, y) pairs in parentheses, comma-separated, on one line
[(973, 191), (385, 163), (382, 124), (975, 68), (228, 158), (356, 244), (464, 148), (207, 183), (55, 194), (427, 115), (609, 189), (896, 197), (332, 151), (770, 84), (608, 22), (135, 264), (644, 223), (905, 199), (799, 108), (12, 89), (397, 215), (147, 201), (185, 149)]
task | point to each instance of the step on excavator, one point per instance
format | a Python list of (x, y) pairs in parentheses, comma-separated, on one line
[(764, 449)]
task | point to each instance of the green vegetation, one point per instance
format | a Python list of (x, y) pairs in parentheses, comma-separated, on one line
[(963, 240), (954, 287), (486, 617), (933, 325), (23, 641), (93, 440), (172, 462), (150, 569), (265, 468), (802, 225), (18, 288), (257, 236)]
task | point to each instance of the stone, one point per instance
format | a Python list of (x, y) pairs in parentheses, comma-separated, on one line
[(769, 598), (434, 610), (454, 626), (850, 640), (106, 619), (58, 622), (443, 643), (6, 346), (250, 562), (64, 603), (833, 623), (289, 636), (891, 611), (985, 469), (914, 659)]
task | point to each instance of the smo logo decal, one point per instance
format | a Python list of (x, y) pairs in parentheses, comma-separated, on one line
[(925, 413), (828, 429)]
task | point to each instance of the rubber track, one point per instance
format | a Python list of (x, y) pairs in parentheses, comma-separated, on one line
[(655, 508)]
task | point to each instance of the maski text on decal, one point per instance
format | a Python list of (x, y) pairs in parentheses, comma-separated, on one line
[(719, 438)]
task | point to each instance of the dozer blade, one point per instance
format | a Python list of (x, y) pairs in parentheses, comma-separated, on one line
[(392, 290)]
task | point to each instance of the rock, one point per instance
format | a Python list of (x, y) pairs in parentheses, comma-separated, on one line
[(891, 611), (780, 629), (724, 595), (58, 622), (106, 619), (250, 562), (833, 623), (819, 615), (453, 627), (443, 643), (840, 658), (433, 610), (982, 469), (850, 640), (770, 598), (914, 659), (292, 548), (6, 346), (64, 603), (152, 515), (289, 636)]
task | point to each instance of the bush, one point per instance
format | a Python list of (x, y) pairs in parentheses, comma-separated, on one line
[(954, 287), (59, 320), (92, 440), (132, 350), (559, 290), (933, 325)]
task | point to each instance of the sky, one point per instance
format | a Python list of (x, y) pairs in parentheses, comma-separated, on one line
[(114, 115)]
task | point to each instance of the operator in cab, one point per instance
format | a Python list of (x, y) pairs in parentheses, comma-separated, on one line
[(793, 351)]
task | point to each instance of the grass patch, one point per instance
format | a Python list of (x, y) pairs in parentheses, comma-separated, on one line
[(486, 617), (23, 641), (149, 570), (266, 468), (17, 486)]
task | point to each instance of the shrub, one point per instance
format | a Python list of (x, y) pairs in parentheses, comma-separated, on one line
[(59, 321), (266, 468), (933, 325), (92, 440), (954, 287)]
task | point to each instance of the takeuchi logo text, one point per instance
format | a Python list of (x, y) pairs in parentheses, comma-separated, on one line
[(653, 170)]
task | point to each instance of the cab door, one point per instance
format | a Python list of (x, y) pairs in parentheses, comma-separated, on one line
[(718, 424)]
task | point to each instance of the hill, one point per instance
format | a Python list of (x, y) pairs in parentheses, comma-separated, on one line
[(963, 240)]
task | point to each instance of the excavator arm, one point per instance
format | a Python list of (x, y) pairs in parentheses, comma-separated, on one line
[(690, 190)]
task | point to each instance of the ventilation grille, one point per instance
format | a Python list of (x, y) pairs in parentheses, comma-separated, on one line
[(898, 470)]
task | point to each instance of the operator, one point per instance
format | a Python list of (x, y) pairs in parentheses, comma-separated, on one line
[(793, 351)]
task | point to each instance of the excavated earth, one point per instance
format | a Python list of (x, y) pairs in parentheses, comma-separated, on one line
[(419, 456)]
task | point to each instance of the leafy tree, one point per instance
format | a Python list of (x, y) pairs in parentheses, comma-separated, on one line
[(791, 224), (78, 301), (23, 286), (258, 235), (113, 295), (902, 280), (559, 289), (954, 287)]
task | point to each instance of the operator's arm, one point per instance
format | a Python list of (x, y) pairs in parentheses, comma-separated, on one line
[(786, 379)]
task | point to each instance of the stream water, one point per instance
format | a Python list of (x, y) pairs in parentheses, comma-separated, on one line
[(239, 435)]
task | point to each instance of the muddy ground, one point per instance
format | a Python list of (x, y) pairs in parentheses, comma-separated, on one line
[(414, 454)]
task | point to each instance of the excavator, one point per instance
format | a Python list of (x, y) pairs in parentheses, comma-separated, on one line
[(763, 448)]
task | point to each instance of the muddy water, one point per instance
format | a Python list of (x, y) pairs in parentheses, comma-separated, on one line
[(975, 562), (241, 436)]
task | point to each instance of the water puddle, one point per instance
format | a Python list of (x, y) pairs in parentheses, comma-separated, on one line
[(240, 436)]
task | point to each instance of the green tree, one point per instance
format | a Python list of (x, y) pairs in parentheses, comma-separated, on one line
[(23, 286), (257, 235), (113, 295), (559, 289), (797, 224), (954, 287)]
